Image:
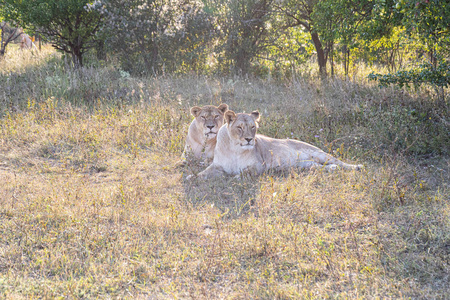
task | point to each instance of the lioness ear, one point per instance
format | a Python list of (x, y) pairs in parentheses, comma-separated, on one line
[(255, 115), (230, 116), (195, 111), (223, 108)]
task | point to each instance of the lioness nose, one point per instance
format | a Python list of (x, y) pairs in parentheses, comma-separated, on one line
[(248, 140), (210, 127)]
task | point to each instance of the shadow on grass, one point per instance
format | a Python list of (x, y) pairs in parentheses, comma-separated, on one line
[(232, 196)]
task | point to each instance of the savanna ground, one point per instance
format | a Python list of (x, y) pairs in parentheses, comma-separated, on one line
[(93, 205)]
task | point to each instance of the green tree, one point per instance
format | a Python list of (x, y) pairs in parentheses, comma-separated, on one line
[(300, 13), (430, 21), (338, 24), (243, 31), (156, 36), (68, 24), (349, 24), (7, 35)]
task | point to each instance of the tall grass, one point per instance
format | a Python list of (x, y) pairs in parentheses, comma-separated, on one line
[(92, 204)]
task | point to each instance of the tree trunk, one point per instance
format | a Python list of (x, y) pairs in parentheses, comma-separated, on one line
[(152, 65), (242, 62), (320, 54), (154, 60), (346, 52), (332, 60), (12, 36), (101, 51), (77, 57), (2, 50)]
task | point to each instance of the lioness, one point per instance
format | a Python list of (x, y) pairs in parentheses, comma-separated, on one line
[(201, 138), (240, 149)]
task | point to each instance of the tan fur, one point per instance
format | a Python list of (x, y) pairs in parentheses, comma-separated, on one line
[(201, 138), (240, 149)]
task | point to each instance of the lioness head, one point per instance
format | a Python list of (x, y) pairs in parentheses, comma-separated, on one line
[(209, 118), (242, 128)]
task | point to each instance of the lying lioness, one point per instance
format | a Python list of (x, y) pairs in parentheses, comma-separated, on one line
[(240, 149), (201, 138)]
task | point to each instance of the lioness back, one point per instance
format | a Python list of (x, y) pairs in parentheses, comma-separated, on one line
[(240, 149)]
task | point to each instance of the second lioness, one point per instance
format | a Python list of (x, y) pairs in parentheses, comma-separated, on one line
[(201, 138), (240, 149)]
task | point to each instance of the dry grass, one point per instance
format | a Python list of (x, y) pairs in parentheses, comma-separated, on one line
[(92, 205)]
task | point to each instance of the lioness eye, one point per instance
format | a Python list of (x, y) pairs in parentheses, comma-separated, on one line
[(203, 118), (253, 127), (215, 117)]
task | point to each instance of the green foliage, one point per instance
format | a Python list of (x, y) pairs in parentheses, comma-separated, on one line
[(413, 130), (69, 25), (429, 19), (335, 20), (426, 74), (394, 51), (347, 25), (288, 51), (301, 14), (157, 36), (260, 37), (246, 36)]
